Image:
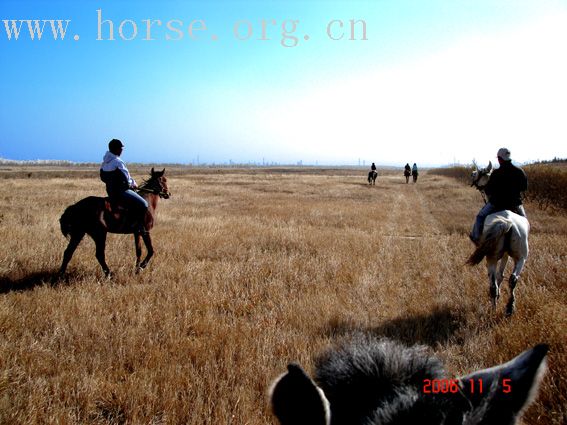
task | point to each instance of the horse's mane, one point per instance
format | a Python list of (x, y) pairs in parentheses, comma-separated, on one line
[(148, 185)]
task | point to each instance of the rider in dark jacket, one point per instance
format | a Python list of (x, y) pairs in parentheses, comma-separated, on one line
[(505, 186), (504, 189)]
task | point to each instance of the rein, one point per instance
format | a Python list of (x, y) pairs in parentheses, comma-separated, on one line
[(144, 188), (480, 189), (483, 194)]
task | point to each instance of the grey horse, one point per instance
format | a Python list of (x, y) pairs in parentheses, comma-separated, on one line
[(379, 382)]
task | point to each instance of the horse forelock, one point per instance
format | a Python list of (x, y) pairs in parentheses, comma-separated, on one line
[(382, 383)]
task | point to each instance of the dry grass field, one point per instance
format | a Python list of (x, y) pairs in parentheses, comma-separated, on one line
[(254, 269)]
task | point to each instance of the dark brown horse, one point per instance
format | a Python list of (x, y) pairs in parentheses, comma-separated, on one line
[(92, 216), (372, 177)]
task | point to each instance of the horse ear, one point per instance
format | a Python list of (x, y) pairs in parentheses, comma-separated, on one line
[(163, 172), (152, 171), (505, 390), (297, 400), (489, 166)]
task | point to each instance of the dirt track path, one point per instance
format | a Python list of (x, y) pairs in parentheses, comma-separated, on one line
[(409, 214)]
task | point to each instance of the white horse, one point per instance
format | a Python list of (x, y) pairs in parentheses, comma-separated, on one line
[(480, 177), (505, 234)]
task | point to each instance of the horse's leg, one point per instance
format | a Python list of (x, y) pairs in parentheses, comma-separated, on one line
[(148, 242), (501, 268), (511, 307), (71, 247), (494, 288), (100, 243), (138, 245)]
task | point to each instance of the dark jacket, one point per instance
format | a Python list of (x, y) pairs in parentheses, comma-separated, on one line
[(506, 185), (116, 182)]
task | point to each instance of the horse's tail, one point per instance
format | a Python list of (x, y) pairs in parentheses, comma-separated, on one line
[(489, 242), (67, 219), (75, 216)]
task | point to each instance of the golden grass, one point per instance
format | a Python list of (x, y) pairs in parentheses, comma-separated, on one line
[(254, 270)]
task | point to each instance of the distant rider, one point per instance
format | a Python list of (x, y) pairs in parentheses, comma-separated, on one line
[(119, 183), (407, 172), (414, 172), (373, 167), (504, 191)]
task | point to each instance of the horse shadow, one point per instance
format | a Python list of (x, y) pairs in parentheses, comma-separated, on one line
[(439, 326), (33, 280)]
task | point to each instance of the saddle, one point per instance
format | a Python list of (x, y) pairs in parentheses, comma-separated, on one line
[(115, 208), (118, 217)]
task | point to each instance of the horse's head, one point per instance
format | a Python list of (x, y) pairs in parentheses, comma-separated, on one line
[(380, 382), (157, 184), (479, 177)]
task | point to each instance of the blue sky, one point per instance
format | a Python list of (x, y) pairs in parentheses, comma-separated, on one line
[(435, 82)]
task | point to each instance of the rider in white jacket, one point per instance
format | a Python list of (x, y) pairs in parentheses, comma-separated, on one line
[(119, 182), (112, 162)]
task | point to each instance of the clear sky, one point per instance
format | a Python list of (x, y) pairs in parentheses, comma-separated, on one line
[(435, 82)]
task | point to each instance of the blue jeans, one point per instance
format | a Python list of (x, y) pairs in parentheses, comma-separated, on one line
[(134, 201), (485, 212)]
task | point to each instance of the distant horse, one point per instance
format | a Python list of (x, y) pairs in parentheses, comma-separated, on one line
[(379, 382), (93, 217), (505, 234), (372, 177), (414, 174), (407, 174)]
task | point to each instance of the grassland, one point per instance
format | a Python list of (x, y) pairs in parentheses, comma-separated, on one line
[(254, 269)]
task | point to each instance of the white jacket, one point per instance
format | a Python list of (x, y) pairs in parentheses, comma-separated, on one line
[(111, 162)]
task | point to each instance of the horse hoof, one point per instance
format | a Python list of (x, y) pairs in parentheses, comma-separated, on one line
[(510, 309), (513, 281), (494, 294)]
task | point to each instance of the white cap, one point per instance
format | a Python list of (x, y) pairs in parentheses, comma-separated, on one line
[(504, 154)]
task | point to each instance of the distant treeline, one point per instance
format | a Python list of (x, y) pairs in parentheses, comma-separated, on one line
[(4, 161), (547, 181)]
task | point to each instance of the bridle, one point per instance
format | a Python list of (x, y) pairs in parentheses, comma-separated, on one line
[(480, 174), (149, 186)]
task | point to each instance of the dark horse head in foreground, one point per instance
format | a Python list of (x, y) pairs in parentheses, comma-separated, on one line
[(379, 382), (92, 216), (372, 177)]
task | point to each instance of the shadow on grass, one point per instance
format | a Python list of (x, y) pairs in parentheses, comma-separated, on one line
[(437, 327), (33, 280)]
